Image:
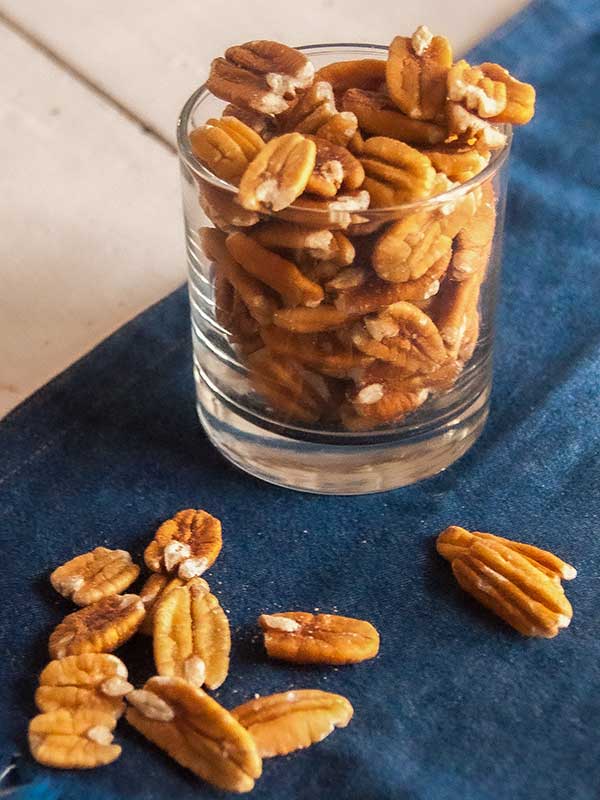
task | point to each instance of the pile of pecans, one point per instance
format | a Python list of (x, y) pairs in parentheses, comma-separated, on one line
[(82, 691), (348, 307)]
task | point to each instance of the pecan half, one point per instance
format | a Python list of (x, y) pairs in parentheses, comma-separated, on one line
[(365, 73), (520, 97), (377, 116), (280, 274), (226, 146), (340, 129), (409, 248), (197, 732), (475, 90), (155, 588), (395, 172), (455, 541), (261, 75), (322, 352), (474, 240), (317, 243), (464, 125), (289, 721), (263, 124), (288, 387), (335, 167), (403, 335), (191, 635), (95, 681), (508, 584), (88, 578), (416, 73), (310, 320), (305, 638), (73, 738), (258, 298), (337, 213), (187, 544), (379, 403), (98, 628), (222, 209), (457, 161), (278, 174)]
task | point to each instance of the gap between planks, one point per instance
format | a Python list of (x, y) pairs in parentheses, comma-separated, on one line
[(34, 41)]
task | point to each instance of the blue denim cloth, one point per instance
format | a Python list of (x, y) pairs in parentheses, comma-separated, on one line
[(456, 706)]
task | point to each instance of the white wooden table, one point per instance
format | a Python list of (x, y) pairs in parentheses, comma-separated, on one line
[(90, 222)]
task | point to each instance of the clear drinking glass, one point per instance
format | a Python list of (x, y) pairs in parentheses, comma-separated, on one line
[(311, 412)]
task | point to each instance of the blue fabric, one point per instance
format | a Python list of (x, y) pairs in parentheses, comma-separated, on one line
[(456, 706)]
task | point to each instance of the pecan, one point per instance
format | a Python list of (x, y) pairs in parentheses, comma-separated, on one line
[(409, 248), (233, 315), (317, 243), (263, 124), (455, 541), (470, 337), (276, 272), (456, 215), (457, 161), (155, 588), (395, 172), (222, 210), (278, 174), (187, 544), (73, 738), (475, 90), (381, 404), (334, 214), (310, 320), (401, 334), (96, 681), (416, 73), (94, 575), (191, 635), (290, 389), (226, 146), (258, 299), (377, 116), (520, 97), (322, 352), (464, 125), (376, 294), (98, 628), (261, 75), (366, 73), (335, 167), (305, 638), (508, 584), (340, 129), (474, 241), (197, 732), (312, 110), (289, 721)]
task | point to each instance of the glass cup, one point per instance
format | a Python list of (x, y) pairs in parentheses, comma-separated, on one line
[(396, 387)]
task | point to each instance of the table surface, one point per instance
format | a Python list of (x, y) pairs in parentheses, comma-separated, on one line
[(90, 209)]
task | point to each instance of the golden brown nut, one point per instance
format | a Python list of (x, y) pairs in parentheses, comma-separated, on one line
[(312, 110), (457, 161), (475, 90), (88, 578), (188, 544), (155, 588), (315, 243), (335, 214), (258, 298), (223, 211), (322, 352), (454, 541), (416, 73), (305, 638), (379, 403), (403, 335), (365, 73), (263, 124), (289, 721), (261, 75), (339, 129), (98, 628), (310, 320), (508, 584), (288, 387), (376, 294), (457, 214), (278, 174), (335, 167), (280, 274), (233, 315), (409, 248), (197, 732), (73, 738), (474, 241), (466, 126), (191, 635), (226, 146), (395, 172), (377, 116), (95, 681)]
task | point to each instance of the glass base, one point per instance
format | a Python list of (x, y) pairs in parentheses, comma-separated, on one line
[(339, 464)]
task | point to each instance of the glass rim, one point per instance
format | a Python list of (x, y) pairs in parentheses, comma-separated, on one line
[(497, 160)]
